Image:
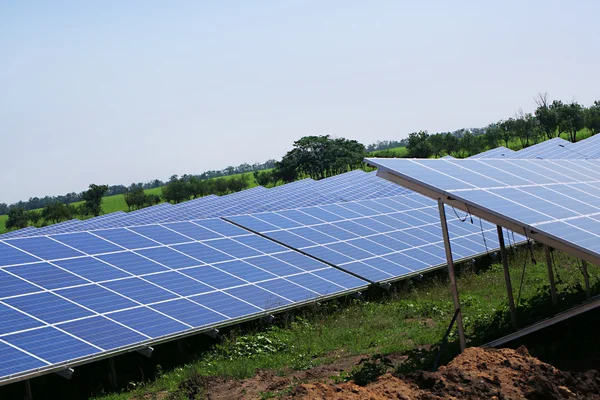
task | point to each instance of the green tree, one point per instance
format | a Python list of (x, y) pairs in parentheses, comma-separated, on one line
[(176, 190), (592, 118), (471, 145), (58, 212), (419, 145), (437, 144), (135, 197), (525, 128), (93, 199), (451, 144), (17, 218), (199, 187), (507, 131), (266, 178), (34, 216), (546, 116), (320, 157), (571, 119)]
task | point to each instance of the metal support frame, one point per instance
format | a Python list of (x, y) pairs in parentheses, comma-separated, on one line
[(66, 373), (453, 287), (586, 279), (551, 275), (112, 373), (357, 295), (587, 306), (146, 351), (268, 319), (509, 290), (213, 333), (28, 392)]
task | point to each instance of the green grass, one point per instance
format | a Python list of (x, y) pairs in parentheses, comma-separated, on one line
[(393, 152), (415, 316)]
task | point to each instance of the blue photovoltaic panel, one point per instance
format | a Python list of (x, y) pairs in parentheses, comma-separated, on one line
[(379, 240), (552, 198), (87, 243), (113, 289), (498, 152), (51, 344), (44, 248), (102, 332), (11, 256), (14, 361)]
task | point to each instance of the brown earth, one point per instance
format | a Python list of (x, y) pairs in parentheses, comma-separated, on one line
[(477, 373)]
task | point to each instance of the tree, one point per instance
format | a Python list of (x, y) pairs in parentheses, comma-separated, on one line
[(546, 116), (58, 212), (451, 143), (93, 199), (265, 178), (524, 125), (507, 131), (17, 219), (492, 135), (199, 187), (592, 118), (437, 144), (135, 197), (571, 119), (320, 157), (34, 216), (471, 144), (419, 145), (176, 190)]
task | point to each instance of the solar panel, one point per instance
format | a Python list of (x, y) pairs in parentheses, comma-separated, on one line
[(72, 298), (498, 152), (558, 199), (589, 146), (555, 148), (379, 240)]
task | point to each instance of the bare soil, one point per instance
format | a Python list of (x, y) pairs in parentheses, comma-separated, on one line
[(503, 374)]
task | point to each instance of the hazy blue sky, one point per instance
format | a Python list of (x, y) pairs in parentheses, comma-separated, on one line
[(120, 91)]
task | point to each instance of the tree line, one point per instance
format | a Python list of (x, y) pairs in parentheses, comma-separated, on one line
[(549, 120), (53, 213), (186, 187), (40, 202)]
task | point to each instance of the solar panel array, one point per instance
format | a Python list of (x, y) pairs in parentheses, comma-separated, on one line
[(70, 297), (560, 199), (380, 240), (123, 280)]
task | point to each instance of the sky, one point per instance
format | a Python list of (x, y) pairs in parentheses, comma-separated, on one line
[(116, 92)]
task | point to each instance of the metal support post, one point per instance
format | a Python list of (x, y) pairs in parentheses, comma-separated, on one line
[(586, 278), (551, 275), (112, 374), (28, 393), (509, 290), (450, 261)]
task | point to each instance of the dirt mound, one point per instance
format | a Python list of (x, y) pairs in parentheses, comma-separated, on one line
[(475, 374)]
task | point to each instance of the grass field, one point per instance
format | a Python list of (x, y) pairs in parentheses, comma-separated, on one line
[(393, 152), (414, 317)]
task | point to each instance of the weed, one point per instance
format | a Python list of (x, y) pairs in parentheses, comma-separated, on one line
[(370, 368)]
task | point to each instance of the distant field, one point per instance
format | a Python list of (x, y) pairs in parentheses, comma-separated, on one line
[(395, 151), (117, 202)]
